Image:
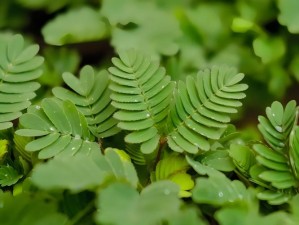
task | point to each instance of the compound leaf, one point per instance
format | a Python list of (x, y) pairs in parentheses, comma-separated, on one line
[(19, 67)]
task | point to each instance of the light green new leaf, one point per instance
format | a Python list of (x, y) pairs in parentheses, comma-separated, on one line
[(27, 209), (174, 168), (66, 28), (3, 149), (157, 202), (19, 67)]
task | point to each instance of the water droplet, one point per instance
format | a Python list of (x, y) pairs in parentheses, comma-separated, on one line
[(135, 100), (220, 194), (37, 107), (148, 115), (163, 87), (77, 136), (52, 129), (278, 128), (273, 114), (281, 144), (5, 175), (73, 148), (166, 191)]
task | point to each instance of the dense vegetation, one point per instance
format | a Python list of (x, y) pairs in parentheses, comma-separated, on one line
[(129, 112)]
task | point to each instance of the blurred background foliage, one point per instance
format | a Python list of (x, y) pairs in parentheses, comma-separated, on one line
[(259, 38)]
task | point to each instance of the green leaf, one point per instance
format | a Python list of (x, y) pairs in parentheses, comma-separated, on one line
[(174, 168), (8, 175), (161, 39), (49, 5), (243, 216), (288, 14), (218, 159), (58, 61), (77, 173), (144, 111), (29, 206), (19, 66), (157, 202), (202, 108), (3, 149), (217, 189), (187, 216), (59, 128), (269, 49), (243, 157), (62, 29), (84, 171), (92, 97)]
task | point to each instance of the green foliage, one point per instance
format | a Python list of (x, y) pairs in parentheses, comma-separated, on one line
[(63, 30), (19, 67), (158, 135), (154, 40), (288, 15), (60, 128), (29, 207), (156, 202), (91, 96), (174, 168), (8, 176), (65, 172), (202, 107), (141, 91)]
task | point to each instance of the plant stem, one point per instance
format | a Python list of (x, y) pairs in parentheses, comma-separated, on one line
[(81, 214)]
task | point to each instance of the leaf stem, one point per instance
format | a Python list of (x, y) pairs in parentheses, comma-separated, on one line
[(81, 214)]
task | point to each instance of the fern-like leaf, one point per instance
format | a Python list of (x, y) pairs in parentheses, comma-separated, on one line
[(59, 129), (278, 125), (142, 92), (91, 95), (276, 167), (19, 66), (202, 108)]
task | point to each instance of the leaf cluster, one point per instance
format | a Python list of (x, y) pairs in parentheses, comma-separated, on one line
[(147, 137)]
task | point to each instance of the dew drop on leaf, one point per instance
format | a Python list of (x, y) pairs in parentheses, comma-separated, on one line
[(220, 194), (166, 191), (278, 128)]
